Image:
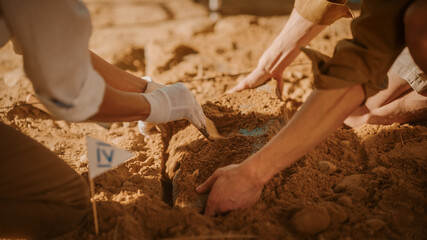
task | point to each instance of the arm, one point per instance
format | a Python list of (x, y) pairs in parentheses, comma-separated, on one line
[(319, 116), (116, 77), (307, 20), (76, 85)]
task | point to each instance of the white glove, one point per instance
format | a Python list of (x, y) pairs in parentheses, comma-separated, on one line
[(172, 103), (146, 128)]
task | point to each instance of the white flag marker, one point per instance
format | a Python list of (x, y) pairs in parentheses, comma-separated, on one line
[(102, 156)]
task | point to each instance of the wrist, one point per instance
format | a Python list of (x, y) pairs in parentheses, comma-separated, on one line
[(257, 172), (158, 107)]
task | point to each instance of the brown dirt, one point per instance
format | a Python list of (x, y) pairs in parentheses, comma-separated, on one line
[(365, 183)]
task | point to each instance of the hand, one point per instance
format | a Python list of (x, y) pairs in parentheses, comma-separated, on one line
[(146, 128), (172, 103), (256, 78), (231, 188)]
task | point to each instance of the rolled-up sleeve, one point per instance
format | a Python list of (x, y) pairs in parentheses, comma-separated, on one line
[(378, 38), (53, 38), (323, 12)]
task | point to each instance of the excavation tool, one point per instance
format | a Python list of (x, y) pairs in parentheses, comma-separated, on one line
[(209, 131)]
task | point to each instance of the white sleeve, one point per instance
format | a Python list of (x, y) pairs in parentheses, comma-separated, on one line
[(53, 36)]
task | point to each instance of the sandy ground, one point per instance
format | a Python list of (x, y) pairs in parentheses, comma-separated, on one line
[(364, 183)]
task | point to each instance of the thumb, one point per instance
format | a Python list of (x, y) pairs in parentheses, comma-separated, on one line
[(207, 185), (279, 80)]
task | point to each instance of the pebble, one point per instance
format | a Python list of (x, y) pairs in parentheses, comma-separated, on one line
[(311, 219), (349, 181), (375, 224), (358, 193), (345, 201), (327, 167), (336, 212)]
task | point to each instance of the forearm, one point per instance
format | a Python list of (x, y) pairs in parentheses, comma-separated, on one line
[(318, 117), (116, 77), (121, 106), (297, 32)]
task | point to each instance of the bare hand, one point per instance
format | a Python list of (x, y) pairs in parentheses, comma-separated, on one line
[(231, 188), (256, 78)]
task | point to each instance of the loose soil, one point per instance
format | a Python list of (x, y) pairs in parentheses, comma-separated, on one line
[(364, 183)]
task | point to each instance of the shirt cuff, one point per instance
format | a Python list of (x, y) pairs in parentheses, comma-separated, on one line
[(85, 105), (323, 12), (332, 76)]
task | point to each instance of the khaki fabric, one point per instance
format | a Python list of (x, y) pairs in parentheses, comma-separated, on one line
[(40, 195), (378, 38), (405, 67), (323, 12)]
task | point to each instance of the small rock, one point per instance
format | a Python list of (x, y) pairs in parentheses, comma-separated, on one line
[(349, 181), (312, 219), (358, 193), (336, 212), (345, 201), (375, 224), (327, 167)]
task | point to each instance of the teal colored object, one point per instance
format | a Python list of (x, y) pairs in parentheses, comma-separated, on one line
[(255, 132)]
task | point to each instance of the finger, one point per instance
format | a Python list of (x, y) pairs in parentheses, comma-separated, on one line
[(210, 209), (280, 87), (207, 185), (239, 87)]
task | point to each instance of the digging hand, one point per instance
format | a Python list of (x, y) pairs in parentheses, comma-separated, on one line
[(231, 188), (172, 103)]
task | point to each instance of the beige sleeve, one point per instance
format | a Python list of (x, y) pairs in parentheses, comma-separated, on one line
[(53, 37), (322, 12), (365, 59)]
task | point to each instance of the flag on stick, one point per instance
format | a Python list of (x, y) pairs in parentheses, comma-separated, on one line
[(102, 157)]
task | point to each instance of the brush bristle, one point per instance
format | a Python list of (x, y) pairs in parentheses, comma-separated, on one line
[(211, 129)]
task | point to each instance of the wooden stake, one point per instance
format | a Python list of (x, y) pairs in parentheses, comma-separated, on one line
[(95, 214)]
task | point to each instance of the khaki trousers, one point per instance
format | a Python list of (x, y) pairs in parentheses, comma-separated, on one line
[(40, 195)]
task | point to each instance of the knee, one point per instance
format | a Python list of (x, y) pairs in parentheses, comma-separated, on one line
[(415, 21)]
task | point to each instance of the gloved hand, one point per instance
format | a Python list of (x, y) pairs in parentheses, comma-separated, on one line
[(146, 128), (172, 103)]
